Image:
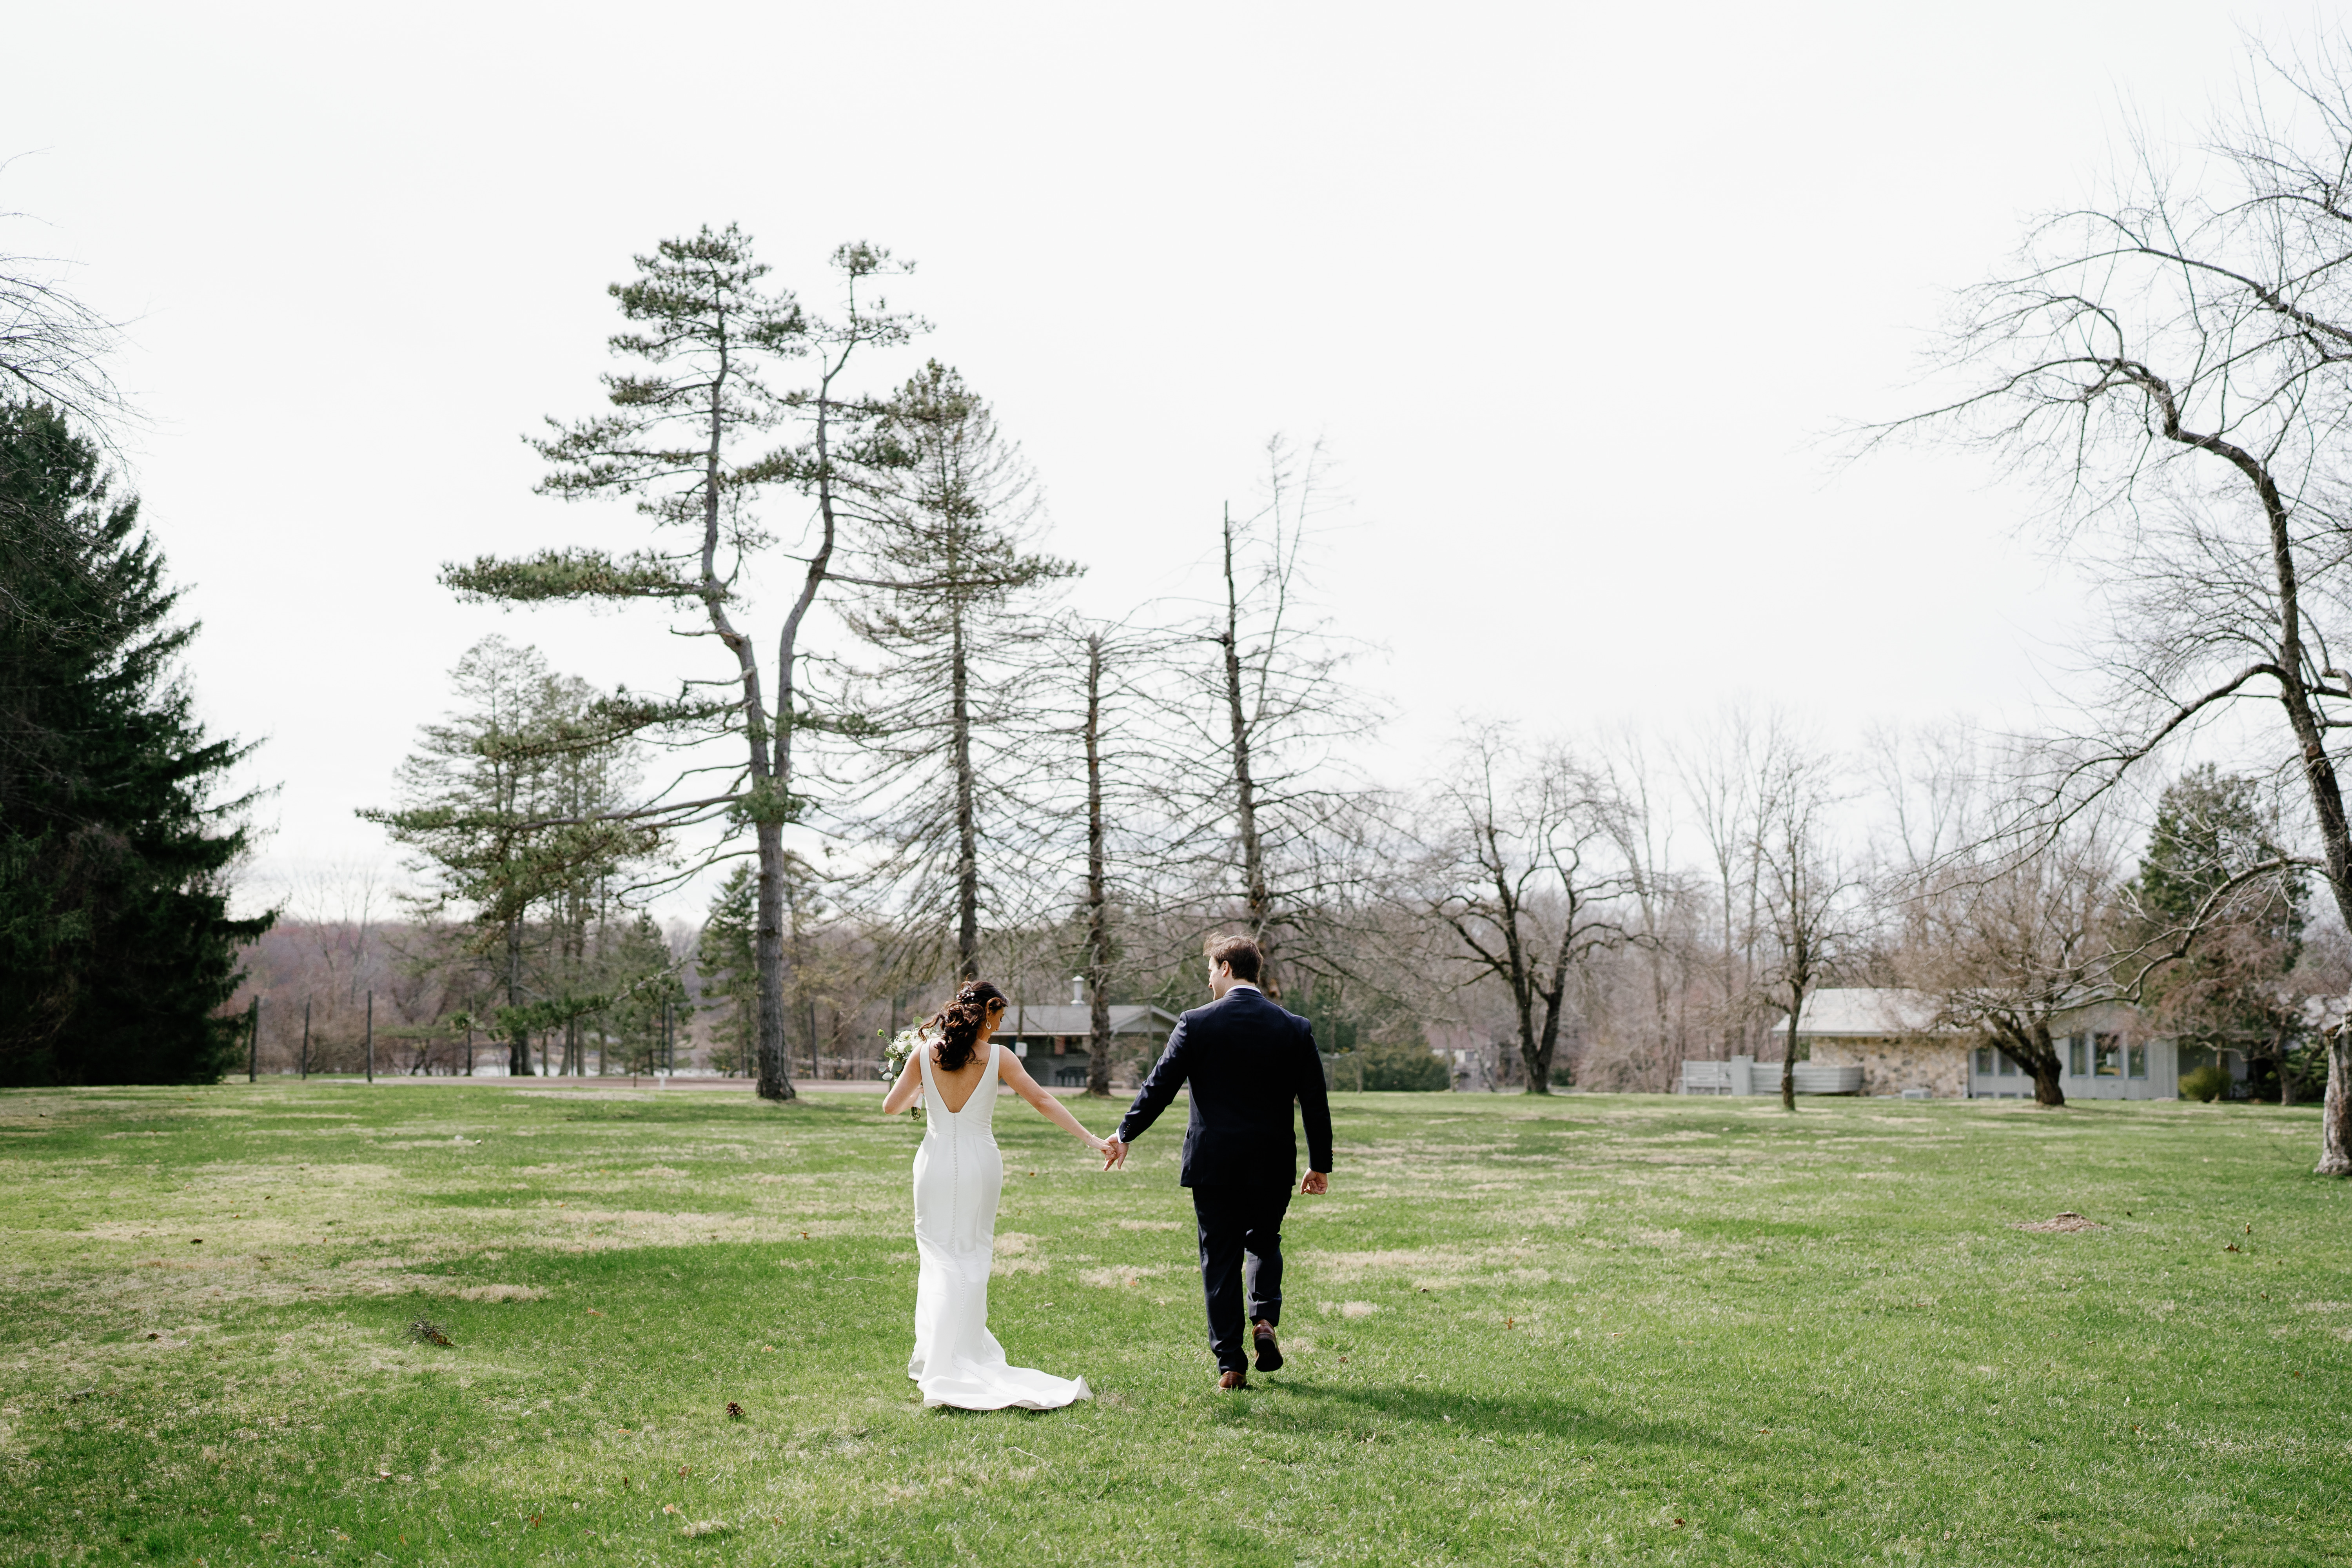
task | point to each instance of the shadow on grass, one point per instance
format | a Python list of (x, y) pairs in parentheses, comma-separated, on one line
[(1519, 1415)]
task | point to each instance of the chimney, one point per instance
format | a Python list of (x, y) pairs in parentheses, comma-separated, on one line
[(1077, 990)]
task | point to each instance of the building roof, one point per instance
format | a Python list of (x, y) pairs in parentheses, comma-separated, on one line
[(1023, 1018), (1867, 1012)]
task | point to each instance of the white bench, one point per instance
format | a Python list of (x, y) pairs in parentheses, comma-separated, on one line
[(1706, 1077), (1745, 1075)]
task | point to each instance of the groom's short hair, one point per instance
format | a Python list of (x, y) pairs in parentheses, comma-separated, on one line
[(1238, 954)]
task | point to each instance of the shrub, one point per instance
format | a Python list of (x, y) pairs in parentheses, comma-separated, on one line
[(1403, 1065), (2207, 1083)]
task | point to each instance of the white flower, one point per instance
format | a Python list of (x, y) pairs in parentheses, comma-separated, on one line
[(900, 1059)]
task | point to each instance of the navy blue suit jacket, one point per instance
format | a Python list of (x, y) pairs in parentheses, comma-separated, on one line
[(1248, 1060)]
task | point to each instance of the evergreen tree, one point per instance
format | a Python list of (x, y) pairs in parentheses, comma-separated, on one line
[(116, 945), (690, 440), (950, 706), (730, 976), (509, 804), (641, 974), (727, 956), (2232, 992)]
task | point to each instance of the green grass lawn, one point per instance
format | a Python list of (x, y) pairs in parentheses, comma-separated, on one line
[(1581, 1330)]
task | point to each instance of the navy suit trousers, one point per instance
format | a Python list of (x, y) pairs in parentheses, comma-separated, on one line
[(1240, 1223)]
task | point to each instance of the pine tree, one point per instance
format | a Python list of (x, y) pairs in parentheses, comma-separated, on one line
[(729, 976), (689, 441), (509, 804), (637, 969), (117, 949), (945, 567), (727, 957), (2230, 991)]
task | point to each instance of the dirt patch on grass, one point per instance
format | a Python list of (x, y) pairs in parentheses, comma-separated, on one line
[(1016, 1254), (1343, 1266), (2063, 1223), (1121, 1277)]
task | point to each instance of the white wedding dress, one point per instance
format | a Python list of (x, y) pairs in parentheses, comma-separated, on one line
[(959, 1176)]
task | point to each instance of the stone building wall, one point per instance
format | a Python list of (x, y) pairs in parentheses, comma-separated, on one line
[(1890, 1066)]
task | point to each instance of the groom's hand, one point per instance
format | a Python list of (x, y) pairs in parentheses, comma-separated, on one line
[(1114, 1153), (1316, 1183)]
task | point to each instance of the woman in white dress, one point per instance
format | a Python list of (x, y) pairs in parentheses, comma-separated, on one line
[(959, 1176)]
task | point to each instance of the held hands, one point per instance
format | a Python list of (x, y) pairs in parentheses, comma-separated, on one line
[(1114, 1153), (1316, 1183)]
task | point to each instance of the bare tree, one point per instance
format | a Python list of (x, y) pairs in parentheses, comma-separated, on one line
[(1114, 666), (53, 346), (1718, 776), (1806, 887), (2174, 364), (1526, 876), (1658, 938), (2010, 943), (1097, 880), (1266, 843)]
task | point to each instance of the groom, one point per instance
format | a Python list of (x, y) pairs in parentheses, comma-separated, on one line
[(1248, 1060)]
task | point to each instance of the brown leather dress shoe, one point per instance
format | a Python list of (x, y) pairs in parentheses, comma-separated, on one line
[(1269, 1355), (1229, 1380)]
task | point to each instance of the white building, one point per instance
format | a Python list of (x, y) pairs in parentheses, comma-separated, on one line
[(1892, 1039), (1051, 1039)]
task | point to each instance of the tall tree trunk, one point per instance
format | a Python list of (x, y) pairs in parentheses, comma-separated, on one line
[(966, 821), (2320, 782), (770, 793), (1547, 1045), (2032, 1048), (1244, 790), (1732, 1002), (775, 1079), (1098, 894), (808, 1006), (2046, 1067), (1789, 1057), (1539, 1059), (2336, 1110), (518, 1043)]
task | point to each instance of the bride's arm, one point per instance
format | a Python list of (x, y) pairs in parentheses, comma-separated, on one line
[(908, 1088), (1048, 1105)]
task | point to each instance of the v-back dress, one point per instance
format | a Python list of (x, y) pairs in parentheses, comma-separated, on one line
[(959, 1177)]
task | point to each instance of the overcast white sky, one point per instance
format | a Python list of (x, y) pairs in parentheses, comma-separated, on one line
[(1574, 293)]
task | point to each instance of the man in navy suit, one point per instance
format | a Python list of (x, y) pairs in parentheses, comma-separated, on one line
[(1247, 1061)]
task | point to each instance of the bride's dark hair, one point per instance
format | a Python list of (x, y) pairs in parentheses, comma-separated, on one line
[(959, 1023)]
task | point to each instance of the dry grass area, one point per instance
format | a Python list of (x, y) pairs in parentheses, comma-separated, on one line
[(1586, 1330)]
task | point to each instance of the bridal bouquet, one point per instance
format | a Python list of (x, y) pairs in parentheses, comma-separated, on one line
[(900, 1059)]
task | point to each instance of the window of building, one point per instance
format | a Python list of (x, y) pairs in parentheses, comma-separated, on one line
[(2078, 1055), (2135, 1059), (2107, 1054), (2003, 1064)]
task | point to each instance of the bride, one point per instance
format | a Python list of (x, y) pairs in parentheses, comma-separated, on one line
[(958, 1176)]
